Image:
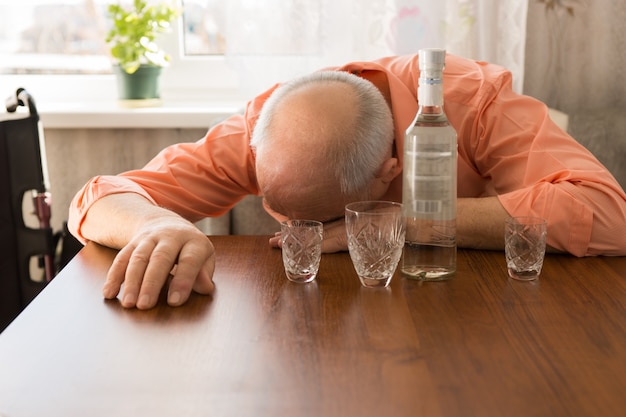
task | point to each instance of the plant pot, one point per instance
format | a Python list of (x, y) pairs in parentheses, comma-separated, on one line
[(141, 88)]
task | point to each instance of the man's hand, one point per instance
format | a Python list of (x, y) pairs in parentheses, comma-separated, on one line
[(160, 250)]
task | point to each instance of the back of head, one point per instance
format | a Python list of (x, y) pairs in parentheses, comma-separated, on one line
[(344, 122)]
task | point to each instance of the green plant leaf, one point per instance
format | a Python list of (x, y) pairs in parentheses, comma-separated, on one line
[(134, 30)]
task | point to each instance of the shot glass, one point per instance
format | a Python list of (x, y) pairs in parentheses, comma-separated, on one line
[(375, 231), (302, 249), (525, 246)]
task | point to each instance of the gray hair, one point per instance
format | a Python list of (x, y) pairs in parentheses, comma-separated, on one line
[(367, 142)]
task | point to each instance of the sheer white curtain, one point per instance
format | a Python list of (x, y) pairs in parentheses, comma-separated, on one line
[(273, 40)]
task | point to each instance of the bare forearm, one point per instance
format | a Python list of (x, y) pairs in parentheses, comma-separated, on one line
[(113, 220), (480, 223)]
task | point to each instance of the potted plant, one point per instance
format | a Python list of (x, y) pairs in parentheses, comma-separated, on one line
[(138, 59)]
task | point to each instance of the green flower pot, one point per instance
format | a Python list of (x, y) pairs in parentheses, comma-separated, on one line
[(141, 88)]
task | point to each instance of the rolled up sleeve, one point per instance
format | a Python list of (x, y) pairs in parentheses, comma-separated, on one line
[(537, 169), (92, 191)]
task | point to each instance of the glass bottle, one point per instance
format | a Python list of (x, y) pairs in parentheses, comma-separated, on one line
[(430, 179)]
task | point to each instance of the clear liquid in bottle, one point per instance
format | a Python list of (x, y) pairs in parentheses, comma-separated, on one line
[(429, 180)]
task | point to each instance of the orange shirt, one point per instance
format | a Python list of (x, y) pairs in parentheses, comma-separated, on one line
[(508, 147)]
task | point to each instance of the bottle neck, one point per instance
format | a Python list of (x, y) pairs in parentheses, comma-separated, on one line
[(430, 92), (434, 110)]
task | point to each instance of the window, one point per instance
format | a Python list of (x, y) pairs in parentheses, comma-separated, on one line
[(56, 49), (51, 41), (203, 22), (44, 37)]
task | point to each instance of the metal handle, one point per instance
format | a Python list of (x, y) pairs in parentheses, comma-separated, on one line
[(21, 98)]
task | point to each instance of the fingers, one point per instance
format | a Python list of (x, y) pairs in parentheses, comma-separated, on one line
[(276, 240), (335, 238), (117, 272), (144, 268), (204, 282), (194, 271), (147, 274)]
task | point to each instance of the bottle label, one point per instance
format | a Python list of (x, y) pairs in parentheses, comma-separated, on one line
[(430, 94), (430, 81), (427, 206)]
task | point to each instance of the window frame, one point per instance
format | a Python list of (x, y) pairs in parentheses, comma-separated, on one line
[(187, 79)]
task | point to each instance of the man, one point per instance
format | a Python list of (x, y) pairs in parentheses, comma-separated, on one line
[(336, 136)]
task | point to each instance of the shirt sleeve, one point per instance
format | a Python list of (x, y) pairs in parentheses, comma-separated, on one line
[(537, 169), (196, 180), (509, 148)]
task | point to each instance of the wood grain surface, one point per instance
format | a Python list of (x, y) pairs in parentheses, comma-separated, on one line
[(480, 344)]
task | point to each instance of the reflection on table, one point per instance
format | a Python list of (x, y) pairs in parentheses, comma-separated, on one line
[(480, 344)]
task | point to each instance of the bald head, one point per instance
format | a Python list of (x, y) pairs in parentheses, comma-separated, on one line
[(319, 142)]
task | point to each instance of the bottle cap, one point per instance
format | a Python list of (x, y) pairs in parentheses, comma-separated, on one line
[(432, 58)]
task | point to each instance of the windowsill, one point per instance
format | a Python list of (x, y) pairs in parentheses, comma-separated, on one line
[(111, 114), (194, 96)]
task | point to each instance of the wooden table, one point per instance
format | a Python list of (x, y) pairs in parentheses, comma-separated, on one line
[(478, 345)]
